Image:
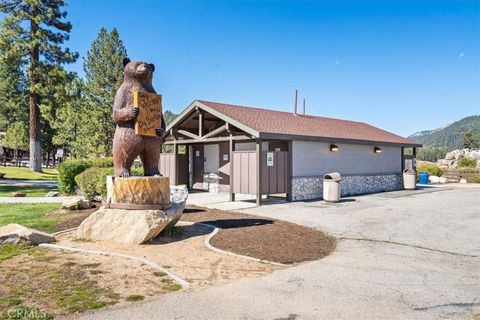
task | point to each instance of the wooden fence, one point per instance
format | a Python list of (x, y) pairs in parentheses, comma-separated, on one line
[(274, 173)]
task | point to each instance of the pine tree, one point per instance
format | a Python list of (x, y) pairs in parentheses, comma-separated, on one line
[(471, 140), (16, 137), (35, 30), (13, 95), (103, 76), (66, 117)]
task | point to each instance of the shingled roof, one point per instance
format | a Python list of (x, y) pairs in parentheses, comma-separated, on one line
[(286, 125)]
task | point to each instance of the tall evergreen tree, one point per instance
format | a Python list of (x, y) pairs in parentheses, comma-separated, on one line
[(471, 140), (13, 98), (35, 30), (16, 137), (66, 117), (103, 75)]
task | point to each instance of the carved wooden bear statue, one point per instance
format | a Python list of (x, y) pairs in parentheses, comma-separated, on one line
[(126, 144)]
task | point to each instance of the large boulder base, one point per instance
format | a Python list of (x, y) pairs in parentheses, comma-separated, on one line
[(17, 234), (128, 226)]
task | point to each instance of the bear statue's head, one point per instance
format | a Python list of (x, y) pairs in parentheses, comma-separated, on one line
[(138, 70)]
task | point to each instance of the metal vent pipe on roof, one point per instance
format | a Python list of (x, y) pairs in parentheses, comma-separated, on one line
[(303, 106), (295, 102)]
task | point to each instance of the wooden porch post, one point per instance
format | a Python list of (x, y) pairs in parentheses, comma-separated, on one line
[(289, 170), (232, 148), (200, 123), (403, 158), (414, 159), (175, 155), (259, 171)]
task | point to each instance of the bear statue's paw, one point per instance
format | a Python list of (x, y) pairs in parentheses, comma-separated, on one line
[(159, 132), (124, 174), (135, 112)]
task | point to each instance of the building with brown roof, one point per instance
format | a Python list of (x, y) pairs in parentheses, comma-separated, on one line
[(228, 148)]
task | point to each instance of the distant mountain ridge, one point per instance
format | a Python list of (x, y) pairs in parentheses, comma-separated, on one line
[(449, 137)]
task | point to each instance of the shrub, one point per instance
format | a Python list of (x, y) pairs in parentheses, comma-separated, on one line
[(137, 172), (468, 170), (474, 179), (88, 180), (101, 162), (69, 169), (102, 182), (432, 169), (467, 163)]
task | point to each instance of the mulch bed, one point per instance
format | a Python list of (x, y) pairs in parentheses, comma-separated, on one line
[(263, 238)]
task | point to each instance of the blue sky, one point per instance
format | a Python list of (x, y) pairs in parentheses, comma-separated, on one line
[(402, 66)]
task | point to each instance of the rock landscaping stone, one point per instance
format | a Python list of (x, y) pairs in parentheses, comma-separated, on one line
[(442, 180), (77, 204), (463, 180), (128, 226), (178, 194), (52, 194), (18, 194), (18, 234), (434, 179), (452, 158)]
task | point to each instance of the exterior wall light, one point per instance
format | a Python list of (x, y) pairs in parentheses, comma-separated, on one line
[(333, 148), (377, 150)]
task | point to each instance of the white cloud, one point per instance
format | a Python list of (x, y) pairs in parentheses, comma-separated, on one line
[(461, 55)]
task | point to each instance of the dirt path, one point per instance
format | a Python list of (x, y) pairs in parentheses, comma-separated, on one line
[(185, 255)]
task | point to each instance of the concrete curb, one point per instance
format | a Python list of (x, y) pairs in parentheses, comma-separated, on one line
[(152, 264), (206, 242), (63, 231)]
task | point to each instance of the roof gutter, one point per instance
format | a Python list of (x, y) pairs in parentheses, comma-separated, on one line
[(280, 136)]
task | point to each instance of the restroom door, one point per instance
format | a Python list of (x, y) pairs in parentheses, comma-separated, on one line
[(212, 158), (198, 162)]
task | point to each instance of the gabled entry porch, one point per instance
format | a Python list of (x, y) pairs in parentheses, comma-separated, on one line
[(208, 151)]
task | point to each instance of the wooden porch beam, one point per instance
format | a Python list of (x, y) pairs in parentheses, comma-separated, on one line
[(188, 134), (174, 133), (215, 132), (217, 139)]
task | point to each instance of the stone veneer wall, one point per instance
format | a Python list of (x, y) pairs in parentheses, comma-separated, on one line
[(307, 188)]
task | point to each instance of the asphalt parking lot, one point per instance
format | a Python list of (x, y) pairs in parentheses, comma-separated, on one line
[(400, 255)]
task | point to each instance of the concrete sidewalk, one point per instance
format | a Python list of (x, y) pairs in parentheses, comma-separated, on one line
[(37, 183), (32, 200)]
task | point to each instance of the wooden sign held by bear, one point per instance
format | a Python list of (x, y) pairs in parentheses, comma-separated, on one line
[(150, 113)]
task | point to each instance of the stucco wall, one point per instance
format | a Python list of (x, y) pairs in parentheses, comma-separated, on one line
[(316, 159)]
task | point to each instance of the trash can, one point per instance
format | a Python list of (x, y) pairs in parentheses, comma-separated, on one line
[(331, 187), (409, 179), (423, 177)]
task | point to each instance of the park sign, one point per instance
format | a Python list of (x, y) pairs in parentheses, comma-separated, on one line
[(150, 115)]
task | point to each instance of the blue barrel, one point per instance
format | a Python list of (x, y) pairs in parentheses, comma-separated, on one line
[(423, 177)]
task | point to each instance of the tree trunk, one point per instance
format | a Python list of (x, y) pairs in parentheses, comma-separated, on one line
[(35, 146)]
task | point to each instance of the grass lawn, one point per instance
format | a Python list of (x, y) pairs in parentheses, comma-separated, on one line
[(31, 191), (34, 216), (36, 286), (23, 173)]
